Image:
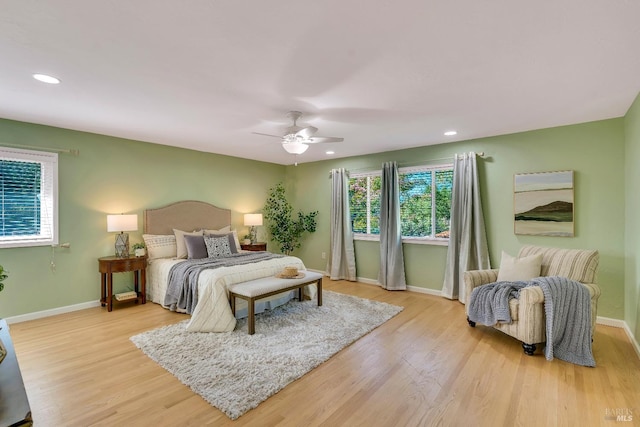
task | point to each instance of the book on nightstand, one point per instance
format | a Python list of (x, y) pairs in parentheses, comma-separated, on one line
[(123, 296)]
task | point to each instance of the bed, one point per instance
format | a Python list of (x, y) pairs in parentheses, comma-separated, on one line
[(212, 312)]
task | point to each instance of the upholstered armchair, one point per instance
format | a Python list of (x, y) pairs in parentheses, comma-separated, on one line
[(527, 312)]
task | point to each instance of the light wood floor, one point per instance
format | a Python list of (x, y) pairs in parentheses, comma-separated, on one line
[(424, 367)]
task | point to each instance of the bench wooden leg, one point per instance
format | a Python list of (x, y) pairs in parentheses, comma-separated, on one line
[(232, 302), (319, 286), (251, 319)]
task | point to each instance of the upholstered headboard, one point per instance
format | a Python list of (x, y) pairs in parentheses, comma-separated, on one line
[(187, 215)]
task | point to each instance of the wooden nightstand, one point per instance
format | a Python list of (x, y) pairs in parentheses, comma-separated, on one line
[(257, 246), (111, 264)]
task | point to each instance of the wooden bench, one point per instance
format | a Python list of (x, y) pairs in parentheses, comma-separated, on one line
[(267, 286)]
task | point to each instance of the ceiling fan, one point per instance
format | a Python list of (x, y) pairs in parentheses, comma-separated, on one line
[(296, 138)]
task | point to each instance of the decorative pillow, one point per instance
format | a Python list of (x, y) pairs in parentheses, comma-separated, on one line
[(576, 264), (217, 246), (224, 230), (196, 248), (514, 269), (160, 246), (232, 241), (235, 239), (181, 249)]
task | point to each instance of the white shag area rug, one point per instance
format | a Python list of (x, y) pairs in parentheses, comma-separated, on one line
[(235, 371)]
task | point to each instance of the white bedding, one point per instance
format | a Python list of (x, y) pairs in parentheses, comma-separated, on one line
[(212, 312)]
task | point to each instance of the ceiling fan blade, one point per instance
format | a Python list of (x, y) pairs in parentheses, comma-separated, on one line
[(317, 139), (266, 134), (307, 132)]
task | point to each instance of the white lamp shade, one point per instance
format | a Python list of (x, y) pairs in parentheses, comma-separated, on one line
[(295, 147), (118, 223), (252, 219)]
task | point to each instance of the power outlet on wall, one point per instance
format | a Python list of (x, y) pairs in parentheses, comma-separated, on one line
[(324, 255)]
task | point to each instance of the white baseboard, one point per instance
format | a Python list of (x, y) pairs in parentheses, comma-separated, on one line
[(418, 289), (607, 321), (422, 290), (51, 312), (633, 340), (368, 281), (617, 323)]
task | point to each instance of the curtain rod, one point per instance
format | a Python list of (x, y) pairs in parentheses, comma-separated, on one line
[(478, 154), (73, 152)]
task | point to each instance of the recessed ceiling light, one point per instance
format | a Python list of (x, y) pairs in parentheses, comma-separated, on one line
[(450, 133), (46, 79), (330, 152)]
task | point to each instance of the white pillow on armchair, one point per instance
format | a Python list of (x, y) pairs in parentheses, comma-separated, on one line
[(515, 269)]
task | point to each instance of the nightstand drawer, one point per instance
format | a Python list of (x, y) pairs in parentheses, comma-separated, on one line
[(258, 246)]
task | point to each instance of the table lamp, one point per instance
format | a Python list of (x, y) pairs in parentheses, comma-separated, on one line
[(119, 224), (252, 220)]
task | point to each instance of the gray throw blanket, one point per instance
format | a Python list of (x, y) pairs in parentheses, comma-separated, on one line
[(489, 303), (182, 288), (567, 306)]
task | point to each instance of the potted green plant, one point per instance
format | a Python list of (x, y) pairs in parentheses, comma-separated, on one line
[(3, 277), (282, 226), (139, 249), (246, 240)]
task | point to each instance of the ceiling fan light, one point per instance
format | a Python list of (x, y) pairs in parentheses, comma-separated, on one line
[(46, 78), (295, 147)]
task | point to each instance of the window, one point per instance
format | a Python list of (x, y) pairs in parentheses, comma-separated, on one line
[(28, 198), (425, 203), (364, 202)]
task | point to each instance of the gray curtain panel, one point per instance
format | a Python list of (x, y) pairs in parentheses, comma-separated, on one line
[(468, 249), (391, 275), (342, 260)]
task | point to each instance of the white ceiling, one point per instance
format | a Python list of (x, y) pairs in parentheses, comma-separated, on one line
[(384, 74)]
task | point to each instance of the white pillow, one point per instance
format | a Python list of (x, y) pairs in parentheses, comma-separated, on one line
[(515, 269), (160, 246), (235, 237), (223, 230), (181, 247)]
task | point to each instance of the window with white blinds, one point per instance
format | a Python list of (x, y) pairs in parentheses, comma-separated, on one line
[(425, 203), (28, 198), (364, 202)]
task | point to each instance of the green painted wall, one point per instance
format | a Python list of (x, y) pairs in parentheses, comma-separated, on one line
[(113, 175), (632, 223), (595, 151)]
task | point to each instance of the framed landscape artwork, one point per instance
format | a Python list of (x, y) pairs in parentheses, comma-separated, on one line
[(543, 203)]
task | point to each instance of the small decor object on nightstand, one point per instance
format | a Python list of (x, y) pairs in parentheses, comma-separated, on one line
[(139, 250), (121, 223)]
